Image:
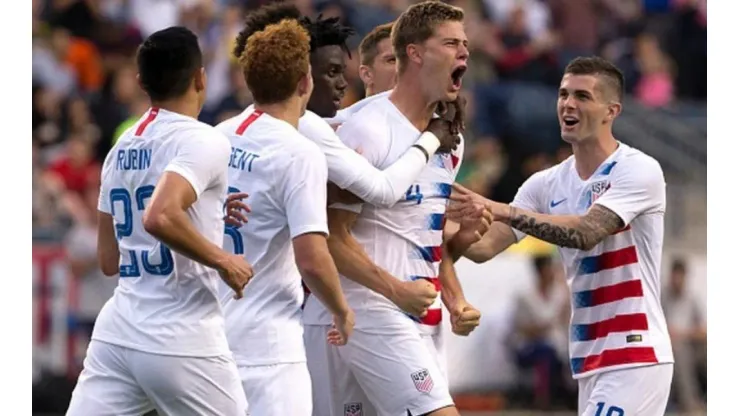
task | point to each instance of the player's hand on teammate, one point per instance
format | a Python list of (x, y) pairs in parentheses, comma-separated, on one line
[(236, 273), (464, 318), (474, 225), (465, 203), (236, 209), (415, 297), (342, 328), (443, 130), (454, 112)]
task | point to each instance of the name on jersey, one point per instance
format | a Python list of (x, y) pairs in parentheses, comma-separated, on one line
[(241, 159), (133, 159)]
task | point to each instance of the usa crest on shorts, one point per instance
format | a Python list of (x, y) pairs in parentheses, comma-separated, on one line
[(423, 380), (353, 409)]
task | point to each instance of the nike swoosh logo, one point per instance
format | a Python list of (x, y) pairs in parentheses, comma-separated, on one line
[(554, 203)]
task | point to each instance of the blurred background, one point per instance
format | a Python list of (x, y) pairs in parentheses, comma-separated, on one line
[(85, 95)]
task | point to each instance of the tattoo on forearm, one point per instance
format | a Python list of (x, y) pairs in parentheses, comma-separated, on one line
[(593, 227)]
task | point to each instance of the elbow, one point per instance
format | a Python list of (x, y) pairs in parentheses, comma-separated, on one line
[(109, 270), (309, 268), (478, 258), (155, 222), (108, 264)]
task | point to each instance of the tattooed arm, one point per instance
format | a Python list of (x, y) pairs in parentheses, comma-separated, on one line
[(581, 232)]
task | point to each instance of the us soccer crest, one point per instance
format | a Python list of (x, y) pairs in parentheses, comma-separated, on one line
[(353, 409), (423, 380), (592, 193)]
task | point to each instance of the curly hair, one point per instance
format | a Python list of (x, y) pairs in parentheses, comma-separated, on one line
[(417, 24), (274, 61), (260, 19), (327, 32)]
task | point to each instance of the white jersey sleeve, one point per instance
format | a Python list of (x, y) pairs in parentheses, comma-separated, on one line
[(201, 159), (529, 197), (351, 171), (104, 196), (304, 192), (637, 187)]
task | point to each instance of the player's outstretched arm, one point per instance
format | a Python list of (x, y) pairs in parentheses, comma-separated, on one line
[(359, 175), (108, 255), (354, 263)]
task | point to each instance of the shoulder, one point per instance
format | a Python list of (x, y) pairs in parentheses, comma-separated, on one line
[(372, 118), (199, 136), (638, 164), (315, 127)]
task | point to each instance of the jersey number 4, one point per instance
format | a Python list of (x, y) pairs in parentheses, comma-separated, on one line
[(126, 228)]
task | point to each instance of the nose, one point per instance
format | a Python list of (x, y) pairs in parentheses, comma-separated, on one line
[(569, 102), (341, 83), (463, 53)]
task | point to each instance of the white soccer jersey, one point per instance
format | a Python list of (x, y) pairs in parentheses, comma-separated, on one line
[(349, 170), (285, 176), (165, 303), (344, 114), (406, 239), (617, 320)]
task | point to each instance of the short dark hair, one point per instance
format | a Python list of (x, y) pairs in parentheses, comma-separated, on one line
[(596, 65), (328, 32), (417, 24), (275, 60), (167, 61), (259, 19), (369, 45)]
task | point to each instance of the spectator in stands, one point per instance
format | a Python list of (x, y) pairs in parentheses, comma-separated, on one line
[(686, 317), (655, 85), (540, 331)]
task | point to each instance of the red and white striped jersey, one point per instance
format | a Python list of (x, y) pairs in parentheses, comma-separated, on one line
[(617, 320), (405, 239)]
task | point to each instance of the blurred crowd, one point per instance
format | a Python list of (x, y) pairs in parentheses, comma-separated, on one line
[(85, 95)]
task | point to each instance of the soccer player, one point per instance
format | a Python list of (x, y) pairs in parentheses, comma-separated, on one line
[(604, 207), (377, 71), (346, 168), (389, 356), (377, 62), (285, 175), (159, 342)]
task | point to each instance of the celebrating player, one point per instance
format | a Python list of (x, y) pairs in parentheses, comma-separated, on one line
[(159, 342), (604, 207), (397, 364), (285, 175)]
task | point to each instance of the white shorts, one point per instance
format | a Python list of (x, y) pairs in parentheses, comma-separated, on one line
[(396, 372), (277, 390), (119, 381), (639, 391), (336, 392)]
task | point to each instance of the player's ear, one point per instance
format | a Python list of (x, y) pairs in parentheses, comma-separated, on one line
[(414, 52), (614, 110), (305, 84), (366, 75), (200, 80)]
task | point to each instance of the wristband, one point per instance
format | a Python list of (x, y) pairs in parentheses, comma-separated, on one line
[(429, 143)]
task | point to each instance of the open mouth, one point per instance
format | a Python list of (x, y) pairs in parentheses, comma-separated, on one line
[(457, 76), (570, 121)]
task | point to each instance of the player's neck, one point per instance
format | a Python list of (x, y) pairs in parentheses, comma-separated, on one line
[(590, 154), (407, 97), (288, 111), (185, 107)]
